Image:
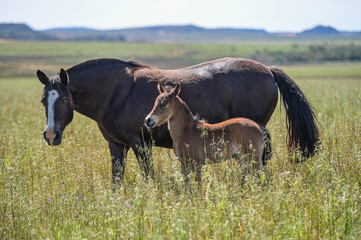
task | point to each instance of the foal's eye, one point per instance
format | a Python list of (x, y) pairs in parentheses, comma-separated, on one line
[(163, 105), (65, 100)]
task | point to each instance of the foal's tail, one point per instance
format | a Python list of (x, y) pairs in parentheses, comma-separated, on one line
[(301, 120)]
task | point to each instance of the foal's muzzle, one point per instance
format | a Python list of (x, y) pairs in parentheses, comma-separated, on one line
[(149, 122)]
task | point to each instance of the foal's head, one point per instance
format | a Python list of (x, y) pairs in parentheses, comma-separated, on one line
[(163, 108), (58, 105)]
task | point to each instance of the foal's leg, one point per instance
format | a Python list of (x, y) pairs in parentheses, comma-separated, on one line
[(187, 166), (118, 153), (260, 156), (186, 170), (256, 160), (198, 169)]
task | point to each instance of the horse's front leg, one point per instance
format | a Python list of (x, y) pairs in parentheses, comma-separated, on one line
[(143, 152), (118, 153)]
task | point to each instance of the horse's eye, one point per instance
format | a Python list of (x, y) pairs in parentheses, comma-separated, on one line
[(65, 100)]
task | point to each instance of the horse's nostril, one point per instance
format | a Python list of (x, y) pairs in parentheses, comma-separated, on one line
[(50, 135)]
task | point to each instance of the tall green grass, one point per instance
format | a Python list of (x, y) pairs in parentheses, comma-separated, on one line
[(66, 192)]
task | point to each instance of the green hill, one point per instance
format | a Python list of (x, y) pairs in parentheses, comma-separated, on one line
[(183, 33), (186, 33), (22, 31)]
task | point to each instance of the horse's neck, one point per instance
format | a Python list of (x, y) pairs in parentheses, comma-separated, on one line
[(91, 95), (181, 122)]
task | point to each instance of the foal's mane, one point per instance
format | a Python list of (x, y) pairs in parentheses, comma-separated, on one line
[(188, 111), (199, 122), (196, 117)]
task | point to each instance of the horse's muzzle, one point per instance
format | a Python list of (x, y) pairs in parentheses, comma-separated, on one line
[(52, 137)]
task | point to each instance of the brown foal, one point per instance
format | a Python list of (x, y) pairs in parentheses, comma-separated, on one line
[(194, 141)]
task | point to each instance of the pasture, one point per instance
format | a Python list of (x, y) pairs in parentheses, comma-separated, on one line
[(66, 192)]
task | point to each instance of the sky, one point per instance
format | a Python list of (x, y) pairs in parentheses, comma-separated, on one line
[(271, 15)]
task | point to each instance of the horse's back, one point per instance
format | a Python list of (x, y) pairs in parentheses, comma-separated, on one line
[(226, 65), (231, 87)]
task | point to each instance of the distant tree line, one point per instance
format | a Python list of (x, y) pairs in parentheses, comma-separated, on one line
[(99, 38), (313, 53)]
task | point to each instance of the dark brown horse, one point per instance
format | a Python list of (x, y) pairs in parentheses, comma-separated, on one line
[(118, 95), (195, 141)]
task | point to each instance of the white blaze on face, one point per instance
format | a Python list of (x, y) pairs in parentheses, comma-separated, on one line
[(53, 95)]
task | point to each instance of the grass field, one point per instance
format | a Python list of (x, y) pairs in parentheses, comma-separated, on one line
[(65, 192)]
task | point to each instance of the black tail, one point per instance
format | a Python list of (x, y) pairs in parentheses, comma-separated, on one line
[(301, 120)]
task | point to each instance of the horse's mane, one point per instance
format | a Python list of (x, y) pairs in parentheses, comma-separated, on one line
[(106, 61), (137, 64)]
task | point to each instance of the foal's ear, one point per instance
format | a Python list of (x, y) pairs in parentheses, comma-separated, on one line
[(64, 77), (42, 77), (160, 88), (175, 91)]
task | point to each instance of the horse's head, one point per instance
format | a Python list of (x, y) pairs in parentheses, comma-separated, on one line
[(58, 104), (163, 108)]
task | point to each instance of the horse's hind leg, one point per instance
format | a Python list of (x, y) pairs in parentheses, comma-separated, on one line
[(267, 150)]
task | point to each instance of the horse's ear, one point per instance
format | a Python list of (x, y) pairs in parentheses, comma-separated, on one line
[(160, 88), (175, 91), (42, 77), (64, 77)]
